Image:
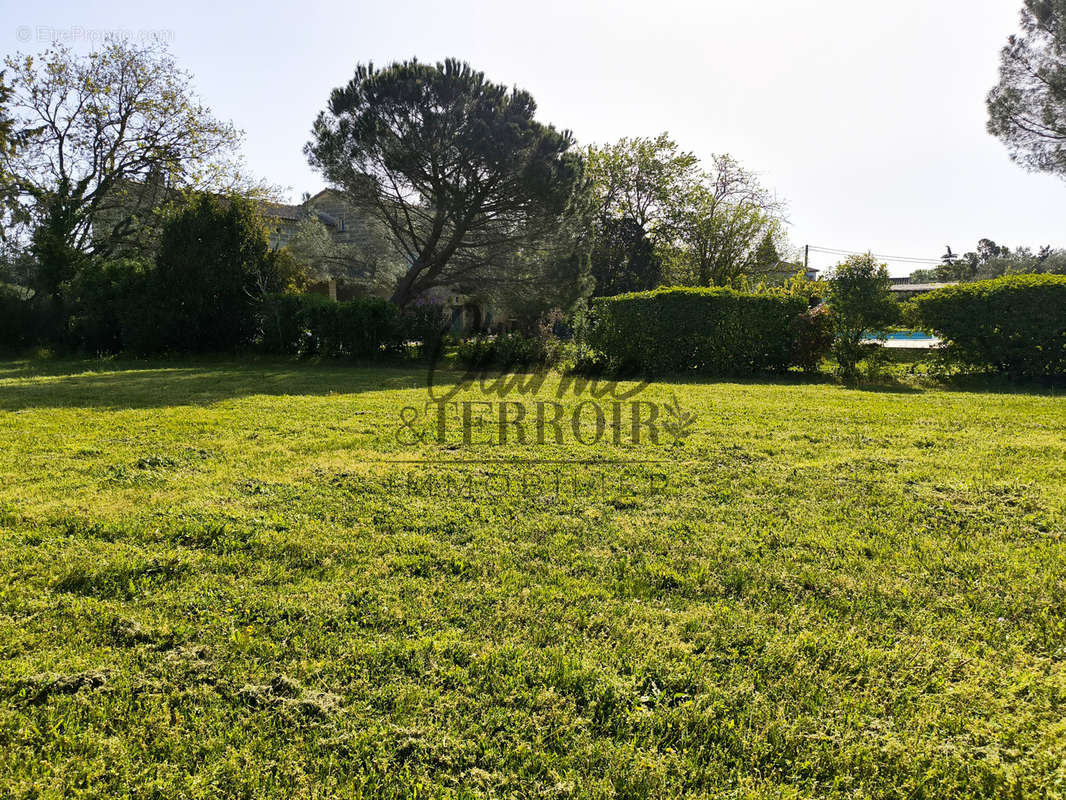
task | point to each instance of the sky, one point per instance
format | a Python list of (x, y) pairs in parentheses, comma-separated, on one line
[(867, 119)]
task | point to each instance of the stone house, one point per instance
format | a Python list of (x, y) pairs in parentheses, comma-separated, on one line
[(341, 219)]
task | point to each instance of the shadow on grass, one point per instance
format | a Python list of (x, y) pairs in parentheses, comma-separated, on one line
[(887, 386), (158, 383), (970, 383), (1000, 384), (122, 384), (888, 383)]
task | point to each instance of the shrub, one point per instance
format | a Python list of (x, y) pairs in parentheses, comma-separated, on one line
[(310, 324), (477, 352), (101, 299), (812, 337), (17, 323), (716, 331), (366, 327), (423, 322), (285, 323), (814, 292), (861, 304), (1014, 325), (503, 352), (554, 343), (213, 268)]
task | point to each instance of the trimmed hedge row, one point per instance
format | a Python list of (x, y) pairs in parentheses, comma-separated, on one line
[(16, 320), (505, 351), (310, 324), (715, 331), (1015, 324)]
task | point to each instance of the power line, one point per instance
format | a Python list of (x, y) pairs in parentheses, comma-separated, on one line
[(911, 259), (835, 251), (905, 259)]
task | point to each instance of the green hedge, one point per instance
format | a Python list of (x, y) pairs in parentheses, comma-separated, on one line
[(505, 351), (812, 337), (17, 323), (310, 324), (715, 331), (1014, 324)]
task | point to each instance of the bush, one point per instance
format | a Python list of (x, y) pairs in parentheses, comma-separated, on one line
[(310, 324), (17, 320), (861, 304), (285, 323), (812, 338), (366, 327), (1014, 325), (554, 344), (477, 353), (213, 268), (502, 352), (715, 331), (425, 323), (101, 299)]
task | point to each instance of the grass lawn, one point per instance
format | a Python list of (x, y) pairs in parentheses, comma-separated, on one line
[(213, 584)]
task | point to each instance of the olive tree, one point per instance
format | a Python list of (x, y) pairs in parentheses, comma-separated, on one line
[(366, 260)]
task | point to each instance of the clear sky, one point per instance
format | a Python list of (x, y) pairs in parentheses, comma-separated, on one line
[(868, 118)]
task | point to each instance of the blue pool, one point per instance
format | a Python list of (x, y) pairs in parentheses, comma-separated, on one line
[(915, 335), (906, 339)]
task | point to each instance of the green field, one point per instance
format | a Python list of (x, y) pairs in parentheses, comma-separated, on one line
[(214, 584)]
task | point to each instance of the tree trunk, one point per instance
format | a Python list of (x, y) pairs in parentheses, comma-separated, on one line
[(403, 293)]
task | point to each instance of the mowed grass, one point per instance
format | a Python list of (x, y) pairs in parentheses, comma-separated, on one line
[(213, 584)]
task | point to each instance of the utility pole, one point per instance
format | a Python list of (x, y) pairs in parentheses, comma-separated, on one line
[(806, 257)]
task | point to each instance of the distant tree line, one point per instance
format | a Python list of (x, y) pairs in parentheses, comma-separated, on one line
[(130, 222), (459, 187), (991, 260)]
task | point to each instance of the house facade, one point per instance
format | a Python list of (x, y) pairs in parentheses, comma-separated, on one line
[(340, 218)]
